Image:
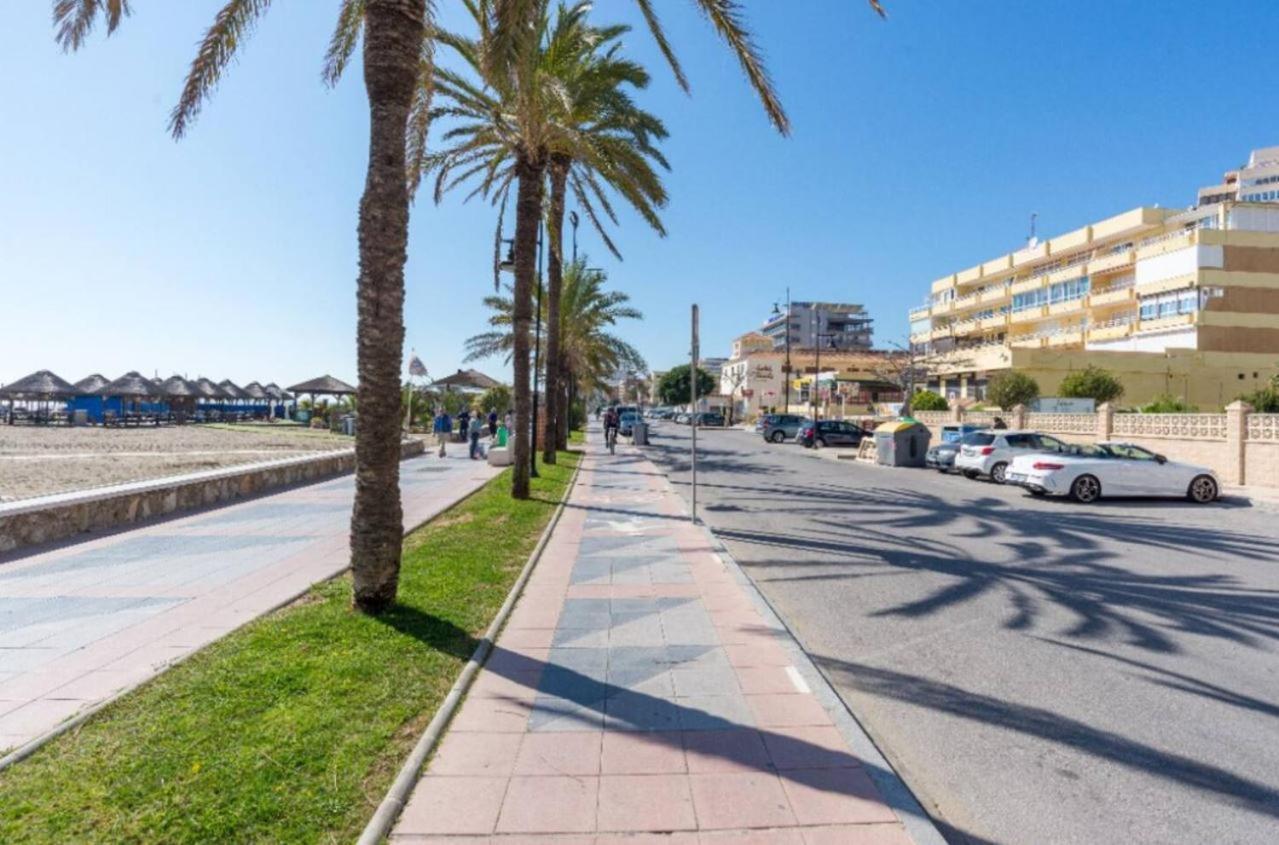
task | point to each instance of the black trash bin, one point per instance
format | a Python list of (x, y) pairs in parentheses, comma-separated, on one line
[(901, 443)]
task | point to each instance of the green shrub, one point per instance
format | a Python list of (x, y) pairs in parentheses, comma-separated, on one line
[(926, 400), (1092, 383), (1166, 403), (1263, 401), (1011, 388)]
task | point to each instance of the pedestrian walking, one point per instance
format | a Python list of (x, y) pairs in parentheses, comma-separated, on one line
[(443, 429), (492, 423), (463, 424), (476, 429)]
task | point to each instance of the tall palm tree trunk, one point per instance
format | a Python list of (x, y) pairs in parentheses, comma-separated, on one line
[(559, 165), (528, 214), (393, 33)]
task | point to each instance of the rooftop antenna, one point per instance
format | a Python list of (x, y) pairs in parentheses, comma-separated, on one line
[(1032, 240)]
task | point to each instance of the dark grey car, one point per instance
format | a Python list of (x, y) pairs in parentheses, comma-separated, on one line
[(941, 457), (779, 427)]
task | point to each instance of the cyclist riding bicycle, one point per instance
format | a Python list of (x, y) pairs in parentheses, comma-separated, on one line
[(611, 424)]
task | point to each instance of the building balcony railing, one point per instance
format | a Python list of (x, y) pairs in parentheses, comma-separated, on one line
[(993, 295), (1066, 307), (997, 321), (1071, 337), (1113, 296), (1028, 314), (1111, 329), (1115, 261), (919, 313), (1167, 242), (1164, 323), (1033, 283)]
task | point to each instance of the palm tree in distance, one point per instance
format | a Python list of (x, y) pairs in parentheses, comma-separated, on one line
[(590, 136), (397, 60), (591, 352)]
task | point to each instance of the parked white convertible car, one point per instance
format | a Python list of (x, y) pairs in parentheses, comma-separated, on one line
[(1087, 473)]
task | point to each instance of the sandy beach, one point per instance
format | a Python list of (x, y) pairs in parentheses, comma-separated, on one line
[(39, 460)]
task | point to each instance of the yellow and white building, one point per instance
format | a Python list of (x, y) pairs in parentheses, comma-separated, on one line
[(1178, 302)]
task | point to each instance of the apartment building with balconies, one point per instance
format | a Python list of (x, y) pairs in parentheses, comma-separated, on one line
[(838, 325), (1178, 302)]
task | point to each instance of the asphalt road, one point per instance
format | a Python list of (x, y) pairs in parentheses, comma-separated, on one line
[(1038, 671)]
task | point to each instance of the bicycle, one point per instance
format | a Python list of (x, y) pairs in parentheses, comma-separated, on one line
[(610, 437)]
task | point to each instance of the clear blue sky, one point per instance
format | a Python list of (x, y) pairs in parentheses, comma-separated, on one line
[(921, 144)]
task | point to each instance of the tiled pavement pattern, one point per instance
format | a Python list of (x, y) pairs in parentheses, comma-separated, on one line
[(81, 621), (637, 696)]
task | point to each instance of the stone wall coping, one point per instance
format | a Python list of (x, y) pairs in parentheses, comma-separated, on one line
[(72, 498)]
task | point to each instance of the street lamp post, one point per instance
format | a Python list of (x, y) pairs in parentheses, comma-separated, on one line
[(786, 368), (508, 266), (537, 355), (817, 367), (573, 221)]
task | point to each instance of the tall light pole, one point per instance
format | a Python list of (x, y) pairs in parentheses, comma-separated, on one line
[(508, 266), (537, 355), (573, 221), (777, 311), (817, 368)]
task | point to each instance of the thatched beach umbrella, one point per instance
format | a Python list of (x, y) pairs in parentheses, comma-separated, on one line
[(179, 388), (325, 385), (131, 386), (39, 385), (255, 391), (467, 381), (209, 389), (181, 392), (232, 390), (42, 386), (92, 385)]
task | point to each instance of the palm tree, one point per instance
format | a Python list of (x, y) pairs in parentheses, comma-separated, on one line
[(591, 353), (394, 63), (397, 62), (591, 134), (605, 140)]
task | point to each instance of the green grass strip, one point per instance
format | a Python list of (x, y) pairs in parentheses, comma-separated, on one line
[(291, 728)]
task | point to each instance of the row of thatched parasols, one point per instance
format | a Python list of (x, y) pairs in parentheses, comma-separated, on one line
[(46, 385)]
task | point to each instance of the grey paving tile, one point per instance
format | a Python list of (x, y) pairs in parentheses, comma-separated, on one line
[(585, 613), (636, 711), (642, 630), (705, 680)]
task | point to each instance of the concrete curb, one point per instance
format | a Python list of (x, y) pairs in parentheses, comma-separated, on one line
[(30, 747), (896, 793), (388, 811)]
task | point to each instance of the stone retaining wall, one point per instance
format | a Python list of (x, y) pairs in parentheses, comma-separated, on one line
[(49, 518)]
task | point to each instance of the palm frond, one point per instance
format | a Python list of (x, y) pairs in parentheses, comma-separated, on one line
[(346, 35), (230, 27), (73, 20), (726, 16), (659, 35)]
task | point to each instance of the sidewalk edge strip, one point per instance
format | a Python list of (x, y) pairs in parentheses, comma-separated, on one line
[(33, 745), (897, 794), (388, 811)]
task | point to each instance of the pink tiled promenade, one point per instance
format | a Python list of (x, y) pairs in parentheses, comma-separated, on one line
[(82, 621), (637, 695)]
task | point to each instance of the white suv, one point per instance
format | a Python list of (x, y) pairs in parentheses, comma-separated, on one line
[(990, 452)]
